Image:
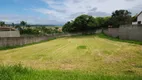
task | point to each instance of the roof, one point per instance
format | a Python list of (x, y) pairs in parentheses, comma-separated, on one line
[(7, 29), (139, 13)]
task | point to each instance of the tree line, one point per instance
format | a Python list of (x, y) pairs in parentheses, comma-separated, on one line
[(25, 28), (84, 23)]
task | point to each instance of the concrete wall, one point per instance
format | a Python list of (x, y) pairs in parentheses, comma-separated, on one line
[(9, 34), (127, 32), (19, 41), (98, 31), (114, 32), (130, 32)]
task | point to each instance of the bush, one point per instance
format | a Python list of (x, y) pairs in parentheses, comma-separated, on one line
[(8, 72)]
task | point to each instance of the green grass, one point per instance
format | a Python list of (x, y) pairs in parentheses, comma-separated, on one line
[(117, 39), (88, 57), (81, 47), (17, 72)]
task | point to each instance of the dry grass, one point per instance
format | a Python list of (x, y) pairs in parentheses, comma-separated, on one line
[(85, 53)]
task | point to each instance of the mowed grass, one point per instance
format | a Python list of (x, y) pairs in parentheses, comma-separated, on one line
[(76, 58)]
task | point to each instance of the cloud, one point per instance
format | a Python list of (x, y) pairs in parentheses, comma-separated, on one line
[(136, 9), (64, 10), (61, 11), (72, 16), (94, 12), (129, 0), (30, 19)]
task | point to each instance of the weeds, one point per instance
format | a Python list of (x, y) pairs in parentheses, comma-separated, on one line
[(81, 47), (17, 72)]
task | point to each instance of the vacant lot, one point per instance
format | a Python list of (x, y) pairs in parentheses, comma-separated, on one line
[(89, 54)]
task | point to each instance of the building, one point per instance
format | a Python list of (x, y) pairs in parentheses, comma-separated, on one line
[(139, 19), (9, 32)]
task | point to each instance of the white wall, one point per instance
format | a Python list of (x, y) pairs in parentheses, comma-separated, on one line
[(140, 18), (9, 34), (134, 23)]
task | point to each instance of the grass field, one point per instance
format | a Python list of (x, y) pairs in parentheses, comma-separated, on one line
[(75, 58)]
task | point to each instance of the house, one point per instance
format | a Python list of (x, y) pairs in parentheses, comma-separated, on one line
[(139, 19), (9, 32)]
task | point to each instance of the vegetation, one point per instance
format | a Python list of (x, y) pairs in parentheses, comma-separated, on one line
[(13, 25), (85, 23), (120, 17), (87, 57), (17, 72), (134, 18), (2, 23), (117, 39), (26, 29), (23, 23)]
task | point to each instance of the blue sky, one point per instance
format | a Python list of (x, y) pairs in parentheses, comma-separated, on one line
[(60, 11), (20, 6)]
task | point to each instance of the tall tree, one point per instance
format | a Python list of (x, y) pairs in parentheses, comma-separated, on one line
[(2, 23), (23, 23), (120, 17), (83, 23), (134, 18), (13, 25), (68, 27)]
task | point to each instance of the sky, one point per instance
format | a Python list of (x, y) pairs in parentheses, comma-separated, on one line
[(58, 12)]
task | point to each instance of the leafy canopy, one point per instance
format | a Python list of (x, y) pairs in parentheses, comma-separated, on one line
[(84, 23), (2, 23), (120, 17)]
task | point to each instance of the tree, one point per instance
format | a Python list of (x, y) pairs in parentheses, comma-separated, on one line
[(19, 28), (134, 18), (23, 23), (99, 21), (2, 23), (120, 17), (28, 26), (81, 23), (13, 25), (56, 29), (106, 22), (68, 27), (84, 23)]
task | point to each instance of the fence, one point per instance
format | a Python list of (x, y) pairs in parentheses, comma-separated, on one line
[(114, 32), (130, 32), (127, 32), (19, 41), (9, 34)]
